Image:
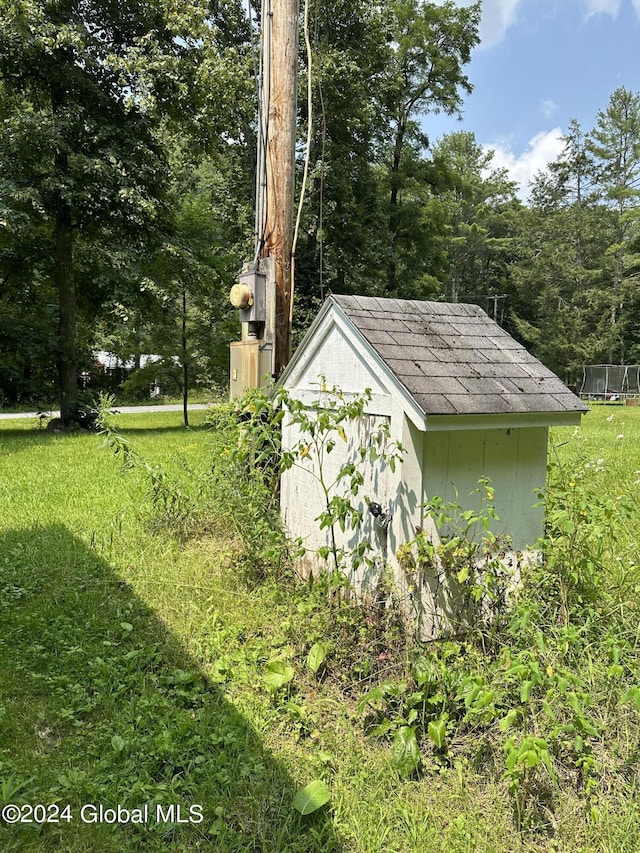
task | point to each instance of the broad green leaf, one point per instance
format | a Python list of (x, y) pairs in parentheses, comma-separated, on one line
[(376, 696), (437, 732), (584, 725), (313, 797), (117, 743), (316, 657), (507, 721), (463, 574), (405, 754), (277, 674), (632, 695)]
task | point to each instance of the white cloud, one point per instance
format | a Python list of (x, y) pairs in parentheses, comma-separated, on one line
[(497, 17), (548, 108), (603, 7), (543, 148)]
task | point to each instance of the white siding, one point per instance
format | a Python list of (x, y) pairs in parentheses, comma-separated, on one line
[(333, 354), (302, 499), (513, 459)]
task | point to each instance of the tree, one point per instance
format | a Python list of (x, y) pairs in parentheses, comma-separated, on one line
[(377, 69), (338, 246), (478, 204), (86, 85), (559, 273), (615, 146), (428, 46)]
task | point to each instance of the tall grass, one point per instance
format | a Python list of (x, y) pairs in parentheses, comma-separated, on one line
[(132, 665)]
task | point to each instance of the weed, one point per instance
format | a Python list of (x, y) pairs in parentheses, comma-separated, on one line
[(532, 687), (318, 426), (132, 664)]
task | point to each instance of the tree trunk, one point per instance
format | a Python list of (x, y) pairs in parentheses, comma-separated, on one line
[(185, 364), (63, 241), (63, 253)]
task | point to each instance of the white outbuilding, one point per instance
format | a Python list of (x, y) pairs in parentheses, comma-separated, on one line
[(465, 400)]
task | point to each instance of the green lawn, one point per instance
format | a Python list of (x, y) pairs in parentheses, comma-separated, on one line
[(132, 663)]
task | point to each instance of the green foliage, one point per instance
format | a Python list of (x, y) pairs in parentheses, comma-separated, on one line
[(319, 426), (543, 693), (459, 554), (105, 117), (577, 257), (316, 657), (477, 202), (244, 477), (173, 503), (277, 673), (405, 754), (134, 658), (437, 731), (120, 650), (312, 797), (523, 758)]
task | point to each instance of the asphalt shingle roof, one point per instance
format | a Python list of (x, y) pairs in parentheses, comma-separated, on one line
[(453, 359)]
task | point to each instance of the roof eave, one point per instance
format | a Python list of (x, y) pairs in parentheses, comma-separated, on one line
[(510, 420)]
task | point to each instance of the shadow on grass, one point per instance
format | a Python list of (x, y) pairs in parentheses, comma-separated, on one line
[(100, 705)]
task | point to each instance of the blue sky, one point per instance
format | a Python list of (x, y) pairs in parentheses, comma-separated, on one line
[(542, 63)]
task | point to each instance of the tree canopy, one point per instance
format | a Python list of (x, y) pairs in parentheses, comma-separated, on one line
[(127, 177)]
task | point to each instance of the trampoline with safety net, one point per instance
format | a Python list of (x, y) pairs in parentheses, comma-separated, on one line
[(610, 381)]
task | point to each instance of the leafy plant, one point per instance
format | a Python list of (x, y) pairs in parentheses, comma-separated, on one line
[(524, 758), (244, 478), (405, 753), (316, 657), (170, 500), (522, 684), (277, 673), (459, 551), (312, 797), (319, 425)]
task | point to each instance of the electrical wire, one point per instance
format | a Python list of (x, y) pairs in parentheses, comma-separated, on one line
[(255, 64), (264, 96), (305, 174), (323, 135), (321, 213), (257, 80)]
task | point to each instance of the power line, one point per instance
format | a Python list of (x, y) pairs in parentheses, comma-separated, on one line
[(305, 174)]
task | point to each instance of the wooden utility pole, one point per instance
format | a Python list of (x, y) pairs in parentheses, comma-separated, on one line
[(279, 105)]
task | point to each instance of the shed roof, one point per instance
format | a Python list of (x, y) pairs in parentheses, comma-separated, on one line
[(454, 360)]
